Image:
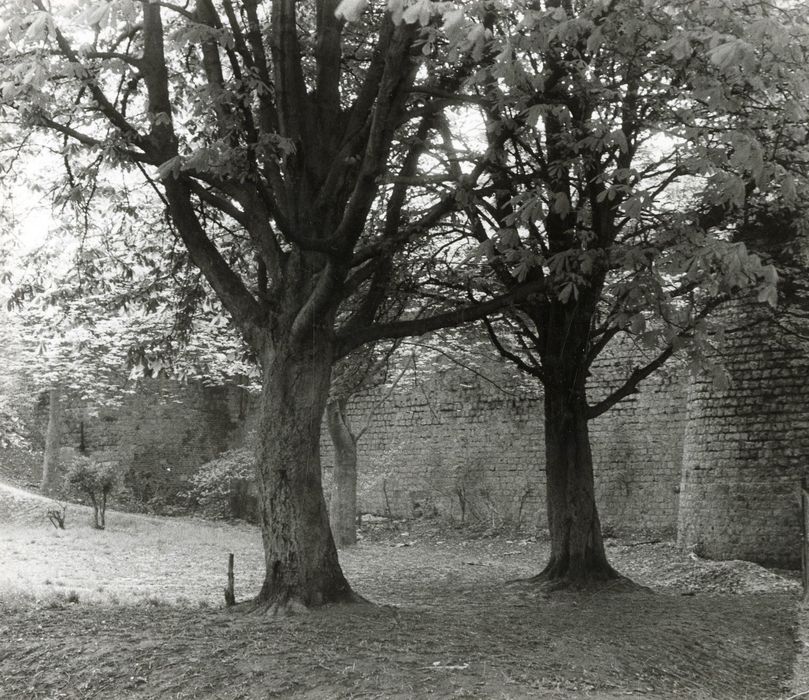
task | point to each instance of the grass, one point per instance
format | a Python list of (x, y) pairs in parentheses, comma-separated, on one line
[(136, 611), (132, 559)]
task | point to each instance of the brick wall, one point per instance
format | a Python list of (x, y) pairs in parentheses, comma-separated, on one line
[(637, 446), (455, 445), (473, 450), (747, 448)]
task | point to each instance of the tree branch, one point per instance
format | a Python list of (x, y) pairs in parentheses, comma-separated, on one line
[(106, 107), (206, 14), (510, 356), (328, 55), (397, 76), (86, 140), (217, 202), (156, 77), (294, 117), (347, 341), (241, 305), (630, 386)]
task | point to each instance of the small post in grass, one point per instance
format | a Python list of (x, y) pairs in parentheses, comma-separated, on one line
[(230, 596), (805, 538)]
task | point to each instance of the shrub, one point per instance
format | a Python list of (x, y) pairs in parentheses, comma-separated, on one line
[(223, 486), (92, 479)]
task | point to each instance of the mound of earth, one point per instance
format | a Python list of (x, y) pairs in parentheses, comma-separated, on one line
[(733, 576)]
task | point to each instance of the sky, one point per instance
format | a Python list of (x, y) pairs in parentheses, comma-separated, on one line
[(35, 221), (25, 192)]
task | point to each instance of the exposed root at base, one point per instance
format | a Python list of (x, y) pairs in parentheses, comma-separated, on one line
[(549, 581), (291, 605)]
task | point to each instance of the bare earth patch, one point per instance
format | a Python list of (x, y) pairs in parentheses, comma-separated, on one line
[(148, 624)]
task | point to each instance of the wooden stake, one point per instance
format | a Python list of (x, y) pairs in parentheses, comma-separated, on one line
[(230, 596), (805, 538)]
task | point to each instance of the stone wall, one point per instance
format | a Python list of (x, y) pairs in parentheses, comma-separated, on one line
[(638, 446), (747, 448), (161, 434), (456, 445), (721, 467), (473, 450)]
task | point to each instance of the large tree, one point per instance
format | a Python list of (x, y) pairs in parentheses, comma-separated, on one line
[(268, 127), (642, 137)]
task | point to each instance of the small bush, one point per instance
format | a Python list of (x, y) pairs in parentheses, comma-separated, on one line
[(222, 487), (92, 479), (149, 489)]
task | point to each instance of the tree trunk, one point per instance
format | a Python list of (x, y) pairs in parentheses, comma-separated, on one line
[(53, 442), (578, 558), (300, 555), (343, 506), (103, 511), (95, 510)]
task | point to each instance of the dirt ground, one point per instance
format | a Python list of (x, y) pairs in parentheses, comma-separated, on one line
[(146, 621)]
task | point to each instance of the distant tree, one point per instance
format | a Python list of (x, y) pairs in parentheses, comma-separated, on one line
[(93, 480), (363, 370), (53, 442)]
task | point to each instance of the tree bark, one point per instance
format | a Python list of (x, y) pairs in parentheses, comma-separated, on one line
[(578, 558), (53, 442), (343, 505), (300, 555)]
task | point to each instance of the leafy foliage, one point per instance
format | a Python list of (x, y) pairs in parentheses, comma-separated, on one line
[(95, 480), (106, 301), (638, 145), (218, 483), (91, 478)]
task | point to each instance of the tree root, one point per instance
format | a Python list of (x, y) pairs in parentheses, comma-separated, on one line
[(599, 578), (287, 605)]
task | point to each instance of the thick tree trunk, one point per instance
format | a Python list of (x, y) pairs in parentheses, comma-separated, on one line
[(53, 443), (343, 505), (578, 558), (300, 555)]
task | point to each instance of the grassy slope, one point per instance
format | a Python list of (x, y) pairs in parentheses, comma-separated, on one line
[(148, 624), (137, 557)]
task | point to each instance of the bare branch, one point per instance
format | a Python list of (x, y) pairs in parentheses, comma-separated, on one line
[(512, 357), (419, 326), (381, 402), (630, 386)]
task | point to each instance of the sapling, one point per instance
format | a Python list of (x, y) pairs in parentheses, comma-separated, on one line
[(95, 480)]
